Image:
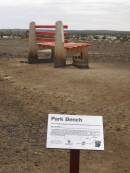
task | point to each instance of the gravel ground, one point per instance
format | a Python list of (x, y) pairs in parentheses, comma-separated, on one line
[(29, 92)]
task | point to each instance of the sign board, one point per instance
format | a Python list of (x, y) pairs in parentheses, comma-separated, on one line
[(75, 132)]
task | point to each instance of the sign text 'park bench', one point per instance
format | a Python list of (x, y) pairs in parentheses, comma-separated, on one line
[(54, 37)]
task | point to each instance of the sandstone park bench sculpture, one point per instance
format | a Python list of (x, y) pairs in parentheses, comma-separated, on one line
[(55, 40)]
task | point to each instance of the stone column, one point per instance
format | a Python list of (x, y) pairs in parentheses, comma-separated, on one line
[(32, 56), (59, 45)]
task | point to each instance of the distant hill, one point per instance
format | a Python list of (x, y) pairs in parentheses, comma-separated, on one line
[(93, 34), (98, 32)]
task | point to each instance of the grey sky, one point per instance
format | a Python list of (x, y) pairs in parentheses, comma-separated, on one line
[(78, 14)]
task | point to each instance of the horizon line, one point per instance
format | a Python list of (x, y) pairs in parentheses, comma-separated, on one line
[(72, 29)]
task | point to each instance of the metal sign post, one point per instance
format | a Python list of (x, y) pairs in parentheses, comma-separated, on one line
[(74, 161)]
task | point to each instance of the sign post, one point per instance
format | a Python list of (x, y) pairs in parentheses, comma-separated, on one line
[(74, 161), (75, 132)]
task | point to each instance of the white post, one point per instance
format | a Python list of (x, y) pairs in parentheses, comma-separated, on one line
[(59, 45), (32, 56)]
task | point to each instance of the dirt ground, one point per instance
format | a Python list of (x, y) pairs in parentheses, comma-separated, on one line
[(29, 92)]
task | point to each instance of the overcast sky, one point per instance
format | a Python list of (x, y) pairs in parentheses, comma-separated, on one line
[(78, 14)]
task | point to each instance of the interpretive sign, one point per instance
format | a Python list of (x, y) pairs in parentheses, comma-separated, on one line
[(75, 132)]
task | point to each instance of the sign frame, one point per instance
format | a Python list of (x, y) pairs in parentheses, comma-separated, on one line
[(66, 127)]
